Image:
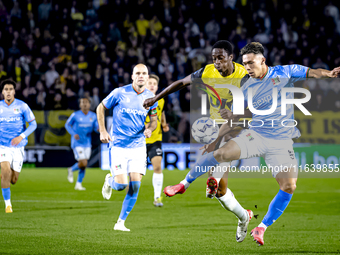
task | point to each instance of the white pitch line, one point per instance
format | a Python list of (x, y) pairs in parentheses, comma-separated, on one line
[(54, 201)]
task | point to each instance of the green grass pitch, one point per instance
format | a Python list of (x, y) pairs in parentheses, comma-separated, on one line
[(50, 217)]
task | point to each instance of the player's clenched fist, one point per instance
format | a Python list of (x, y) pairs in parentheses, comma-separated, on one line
[(226, 114), (148, 102), (147, 133), (105, 137)]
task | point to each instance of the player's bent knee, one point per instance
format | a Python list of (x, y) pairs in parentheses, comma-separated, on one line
[(120, 186), (289, 187)]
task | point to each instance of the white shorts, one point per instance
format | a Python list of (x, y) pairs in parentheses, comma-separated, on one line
[(278, 154), (15, 156), (81, 153), (127, 160)]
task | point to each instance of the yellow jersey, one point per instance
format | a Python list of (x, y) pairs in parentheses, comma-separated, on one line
[(157, 133), (211, 76)]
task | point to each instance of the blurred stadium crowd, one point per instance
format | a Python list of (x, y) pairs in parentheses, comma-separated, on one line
[(58, 51)]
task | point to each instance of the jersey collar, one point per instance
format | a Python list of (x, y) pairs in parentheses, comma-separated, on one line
[(10, 103), (138, 93), (264, 73)]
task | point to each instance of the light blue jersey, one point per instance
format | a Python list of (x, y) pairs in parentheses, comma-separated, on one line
[(82, 125), (128, 116), (276, 77), (13, 120)]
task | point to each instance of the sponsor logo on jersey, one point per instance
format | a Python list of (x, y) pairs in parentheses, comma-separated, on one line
[(133, 111), (11, 119)]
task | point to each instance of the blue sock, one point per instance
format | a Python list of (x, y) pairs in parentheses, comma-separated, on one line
[(130, 200), (276, 207), (201, 166), (6, 193), (115, 185), (81, 175), (75, 167)]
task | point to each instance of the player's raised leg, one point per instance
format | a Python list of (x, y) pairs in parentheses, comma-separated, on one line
[(6, 178), (287, 183), (228, 152)]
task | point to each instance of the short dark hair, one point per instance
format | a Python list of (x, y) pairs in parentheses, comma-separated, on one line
[(253, 47), (154, 76), (87, 98), (224, 44), (6, 82)]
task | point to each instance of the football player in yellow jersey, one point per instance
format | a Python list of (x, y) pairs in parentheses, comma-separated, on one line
[(222, 71), (154, 143)]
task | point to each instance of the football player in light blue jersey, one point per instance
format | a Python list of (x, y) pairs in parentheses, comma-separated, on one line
[(14, 114), (275, 143), (127, 139), (80, 125)]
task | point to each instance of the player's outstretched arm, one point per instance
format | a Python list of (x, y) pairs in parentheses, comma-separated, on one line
[(173, 87), (323, 73), (104, 135)]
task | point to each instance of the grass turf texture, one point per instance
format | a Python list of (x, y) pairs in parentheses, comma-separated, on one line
[(50, 217)]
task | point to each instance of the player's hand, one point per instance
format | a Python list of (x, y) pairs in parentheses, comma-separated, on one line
[(166, 128), (208, 147), (105, 137), (148, 102), (147, 133), (76, 136), (335, 72), (226, 114), (15, 141)]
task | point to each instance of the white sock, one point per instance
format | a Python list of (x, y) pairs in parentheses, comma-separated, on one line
[(185, 183), (78, 183), (120, 221), (261, 225), (8, 202), (157, 182), (229, 202)]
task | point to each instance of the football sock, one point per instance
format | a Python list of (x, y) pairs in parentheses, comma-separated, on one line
[(81, 175), (6, 193), (75, 167), (157, 182), (261, 225), (277, 207), (201, 167), (115, 185), (130, 199), (229, 202)]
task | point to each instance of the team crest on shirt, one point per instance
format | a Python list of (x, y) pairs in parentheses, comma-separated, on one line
[(250, 137), (275, 81), (16, 110)]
